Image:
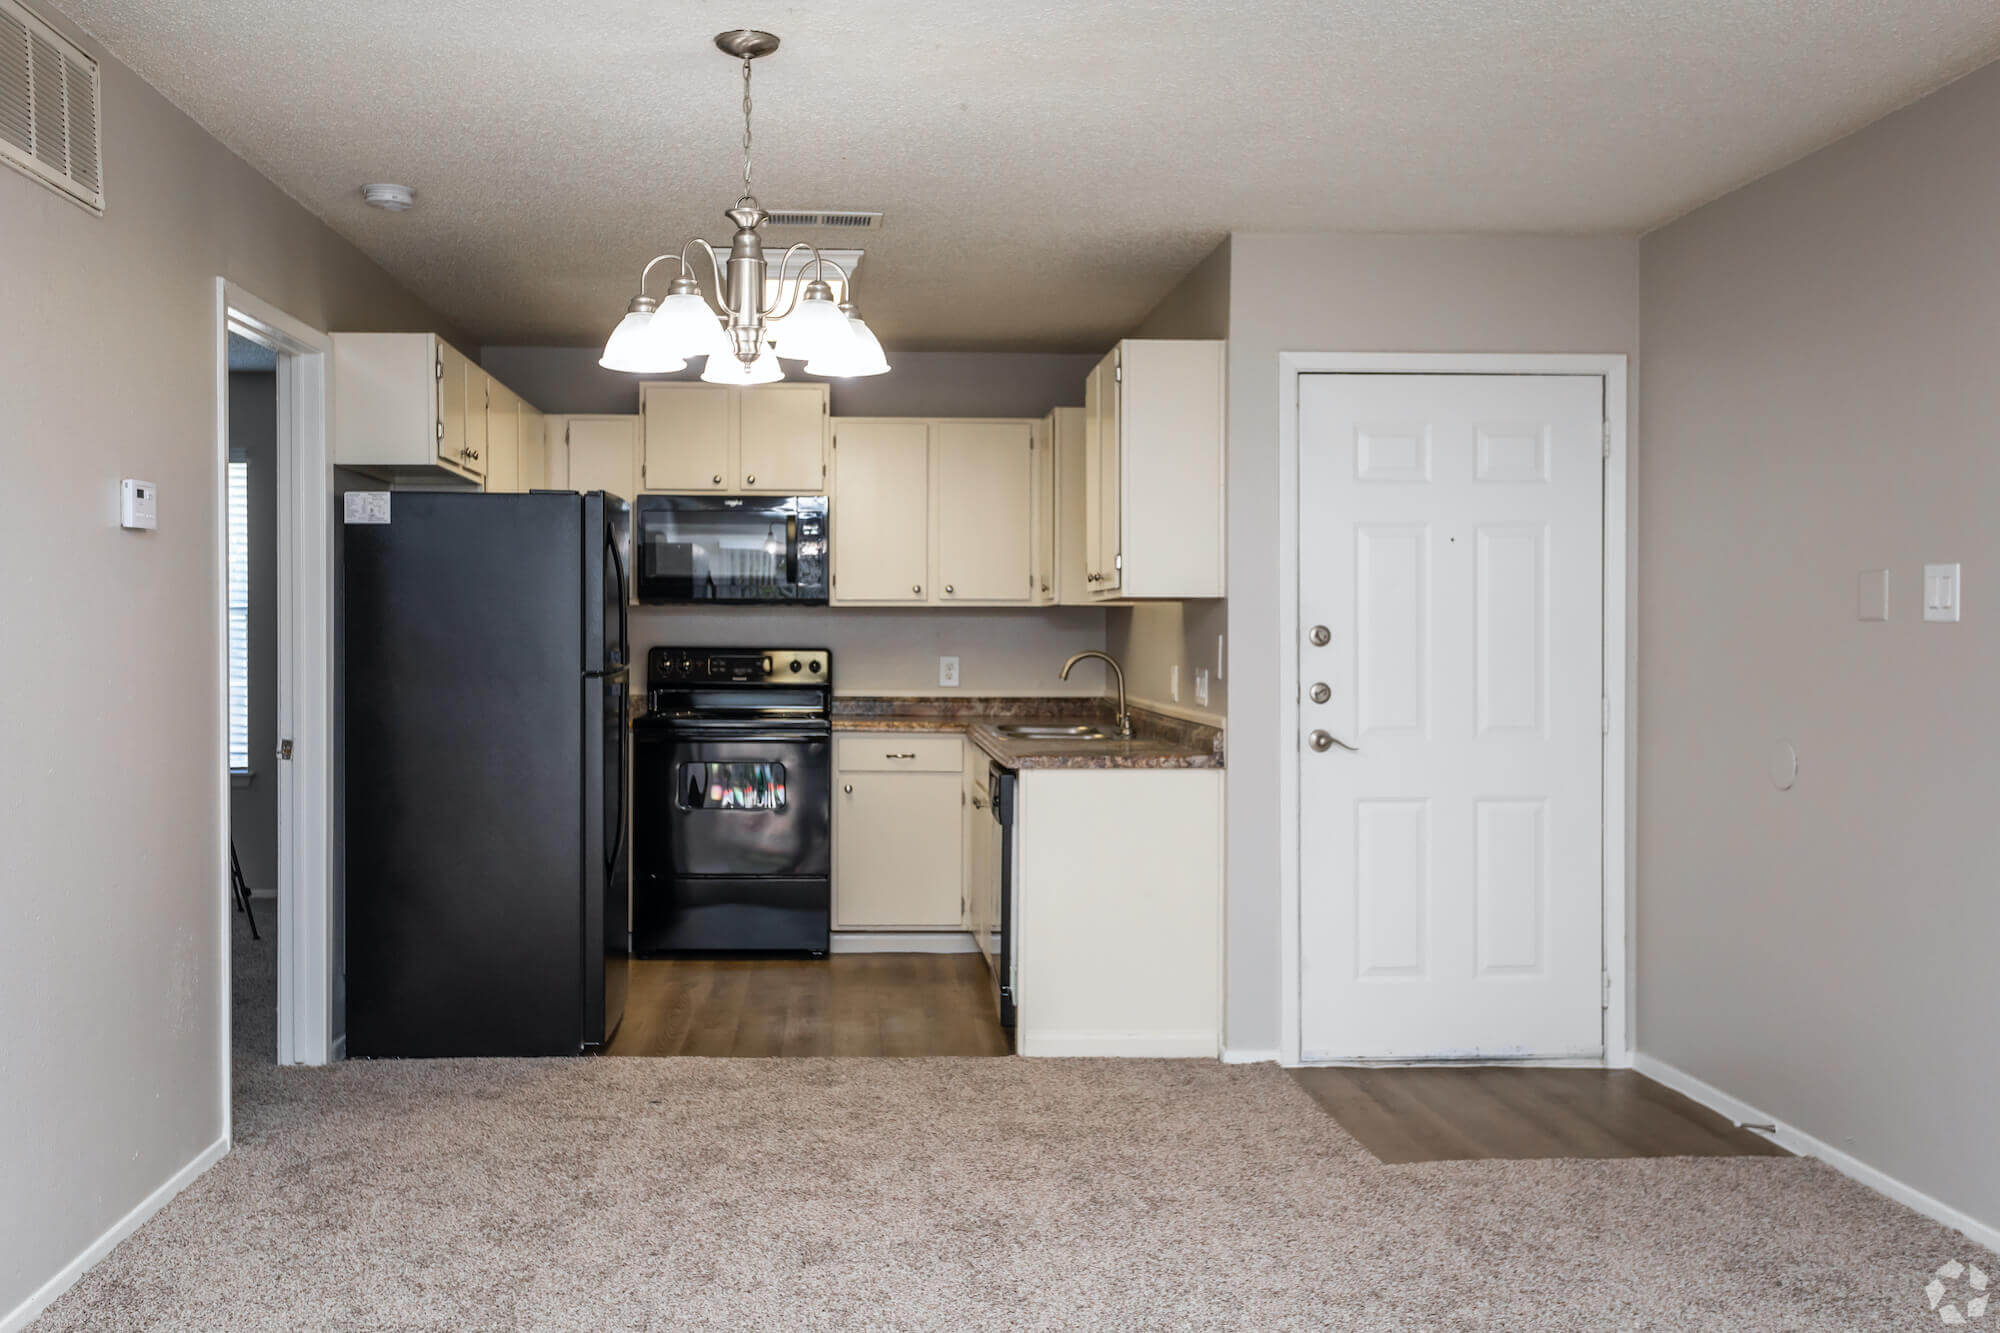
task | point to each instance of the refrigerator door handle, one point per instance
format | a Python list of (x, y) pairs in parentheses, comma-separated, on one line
[(624, 593)]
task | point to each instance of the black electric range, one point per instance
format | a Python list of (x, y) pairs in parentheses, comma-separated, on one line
[(732, 802)]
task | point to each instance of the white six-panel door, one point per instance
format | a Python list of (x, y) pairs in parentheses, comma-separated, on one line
[(1451, 558)]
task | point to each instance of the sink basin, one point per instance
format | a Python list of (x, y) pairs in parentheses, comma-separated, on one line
[(1052, 731)]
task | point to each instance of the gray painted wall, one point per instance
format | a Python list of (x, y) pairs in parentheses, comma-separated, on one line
[(112, 974), (1357, 293), (253, 808), (921, 384), (1821, 399)]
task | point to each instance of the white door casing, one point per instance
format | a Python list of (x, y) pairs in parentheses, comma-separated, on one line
[(1450, 872)]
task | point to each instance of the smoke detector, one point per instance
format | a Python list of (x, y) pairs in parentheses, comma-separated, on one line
[(394, 198)]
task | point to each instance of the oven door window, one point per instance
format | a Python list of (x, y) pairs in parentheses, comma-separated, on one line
[(753, 785)]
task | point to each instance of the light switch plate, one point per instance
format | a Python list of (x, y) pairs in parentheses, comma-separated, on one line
[(1871, 595), (947, 671), (1943, 592), (138, 505)]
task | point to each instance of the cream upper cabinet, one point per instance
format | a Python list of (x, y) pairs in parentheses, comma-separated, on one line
[(940, 512), (411, 407), (503, 438), (531, 432), (1153, 446), (1066, 461), (690, 432), (782, 433), (880, 511), (603, 453), (984, 489), (769, 438), (898, 832)]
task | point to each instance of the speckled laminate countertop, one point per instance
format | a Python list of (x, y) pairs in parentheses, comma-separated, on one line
[(1158, 740)]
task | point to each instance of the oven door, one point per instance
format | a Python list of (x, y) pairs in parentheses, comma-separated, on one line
[(749, 800), (726, 549)]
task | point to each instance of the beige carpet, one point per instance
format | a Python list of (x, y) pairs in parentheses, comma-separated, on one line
[(615, 1194)]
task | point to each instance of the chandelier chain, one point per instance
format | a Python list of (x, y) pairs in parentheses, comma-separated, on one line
[(746, 127)]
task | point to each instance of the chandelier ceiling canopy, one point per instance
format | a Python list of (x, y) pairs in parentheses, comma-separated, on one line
[(744, 338)]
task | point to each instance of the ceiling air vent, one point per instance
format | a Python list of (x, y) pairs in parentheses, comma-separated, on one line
[(49, 100), (850, 219)]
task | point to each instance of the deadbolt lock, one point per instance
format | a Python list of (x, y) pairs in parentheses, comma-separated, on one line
[(1319, 693), (1321, 636)]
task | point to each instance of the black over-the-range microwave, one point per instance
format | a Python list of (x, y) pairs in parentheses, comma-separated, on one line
[(742, 549)]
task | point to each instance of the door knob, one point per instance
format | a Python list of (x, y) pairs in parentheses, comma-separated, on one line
[(1322, 741), (1321, 636), (1319, 693)]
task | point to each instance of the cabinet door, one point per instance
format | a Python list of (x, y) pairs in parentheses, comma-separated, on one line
[(476, 403), (1044, 521), (881, 511), (1105, 513), (602, 451), (782, 429), (451, 379), (690, 432), (898, 851), (1072, 559), (532, 430), (985, 489), (503, 438)]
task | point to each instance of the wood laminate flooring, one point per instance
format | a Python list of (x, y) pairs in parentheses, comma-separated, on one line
[(881, 1004), (1467, 1114)]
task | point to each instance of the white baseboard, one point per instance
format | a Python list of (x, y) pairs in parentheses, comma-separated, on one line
[(1131, 1045), (903, 941), (1249, 1055), (1798, 1141), (25, 1313)]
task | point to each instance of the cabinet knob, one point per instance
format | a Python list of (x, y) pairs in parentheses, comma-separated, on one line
[(847, 787), (718, 478), (917, 588), (949, 589), (750, 480)]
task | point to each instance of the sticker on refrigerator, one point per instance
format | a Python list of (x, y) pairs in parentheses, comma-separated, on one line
[(367, 506)]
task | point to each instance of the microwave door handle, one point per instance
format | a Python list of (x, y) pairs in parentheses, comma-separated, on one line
[(791, 551)]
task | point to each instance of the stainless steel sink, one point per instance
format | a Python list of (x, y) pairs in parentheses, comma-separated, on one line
[(1053, 731)]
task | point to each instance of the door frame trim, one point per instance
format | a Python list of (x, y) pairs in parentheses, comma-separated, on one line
[(1619, 815), (304, 676)]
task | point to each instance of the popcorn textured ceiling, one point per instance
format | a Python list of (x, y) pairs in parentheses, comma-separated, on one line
[(1048, 169)]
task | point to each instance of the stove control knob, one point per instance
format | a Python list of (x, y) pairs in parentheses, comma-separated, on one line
[(815, 667), (795, 666)]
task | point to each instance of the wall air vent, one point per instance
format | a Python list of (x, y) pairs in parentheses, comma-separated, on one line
[(50, 100), (847, 218)]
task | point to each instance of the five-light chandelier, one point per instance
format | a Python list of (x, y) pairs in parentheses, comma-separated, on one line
[(659, 336)]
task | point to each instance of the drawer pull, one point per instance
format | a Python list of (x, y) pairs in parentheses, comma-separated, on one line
[(911, 755)]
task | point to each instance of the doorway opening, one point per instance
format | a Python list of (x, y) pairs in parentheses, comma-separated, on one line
[(273, 575)]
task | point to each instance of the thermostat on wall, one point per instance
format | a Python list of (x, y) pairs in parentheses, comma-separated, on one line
[(138, 505)]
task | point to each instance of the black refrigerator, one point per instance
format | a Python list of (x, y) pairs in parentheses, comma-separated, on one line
[(486, 753)]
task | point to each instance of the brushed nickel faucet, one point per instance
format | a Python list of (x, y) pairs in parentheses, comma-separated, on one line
[(1124, 714)]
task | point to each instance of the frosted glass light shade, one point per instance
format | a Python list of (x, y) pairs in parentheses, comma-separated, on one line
[(632, 349), (815, 331), (862, 357), (729, 369), (685, 327)]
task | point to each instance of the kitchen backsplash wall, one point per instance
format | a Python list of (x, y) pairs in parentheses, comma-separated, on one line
[(889, 651)]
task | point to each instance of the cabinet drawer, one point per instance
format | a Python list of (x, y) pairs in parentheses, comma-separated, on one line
[(898, 752)]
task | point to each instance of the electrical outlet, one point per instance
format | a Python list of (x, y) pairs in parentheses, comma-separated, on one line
[(1174, 682), (947, 671), (1201, 687)]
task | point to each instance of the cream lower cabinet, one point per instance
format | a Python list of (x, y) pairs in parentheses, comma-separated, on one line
[(935, 512), (898, 831), (1153, 471)]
